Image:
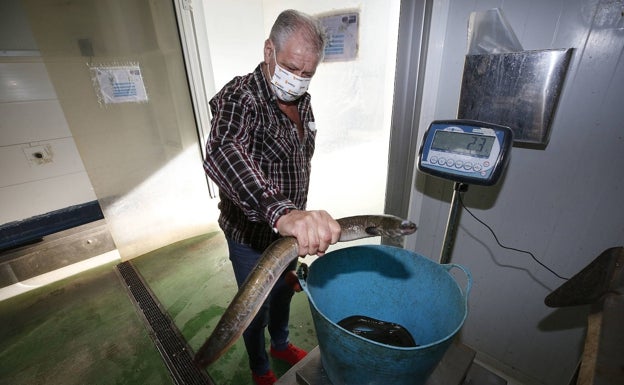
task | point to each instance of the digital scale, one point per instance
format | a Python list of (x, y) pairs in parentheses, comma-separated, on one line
[(465, 152)]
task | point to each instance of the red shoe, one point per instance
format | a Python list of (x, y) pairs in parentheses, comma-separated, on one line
[(265, 379), (293, 281), (291, 354)]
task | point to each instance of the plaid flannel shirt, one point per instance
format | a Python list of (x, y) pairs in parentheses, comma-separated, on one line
[(256, 158)]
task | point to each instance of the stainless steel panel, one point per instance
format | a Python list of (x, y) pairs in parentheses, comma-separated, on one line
[(519, 90)]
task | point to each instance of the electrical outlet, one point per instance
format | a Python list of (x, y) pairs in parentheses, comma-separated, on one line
[(39, 155)]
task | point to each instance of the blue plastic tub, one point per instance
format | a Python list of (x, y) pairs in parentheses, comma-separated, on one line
[(389, 284)]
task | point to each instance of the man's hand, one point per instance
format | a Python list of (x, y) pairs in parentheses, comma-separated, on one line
[(314, 230)]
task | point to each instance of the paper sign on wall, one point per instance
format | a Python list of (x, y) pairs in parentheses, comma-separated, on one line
[(342, 36), (119, 84)]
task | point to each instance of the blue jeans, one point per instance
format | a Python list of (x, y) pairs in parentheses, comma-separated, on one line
[(274, 312)]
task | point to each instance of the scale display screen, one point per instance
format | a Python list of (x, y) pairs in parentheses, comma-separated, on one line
[(460, 143), (465, 151)]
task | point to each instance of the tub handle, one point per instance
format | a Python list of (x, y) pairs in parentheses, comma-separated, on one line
[(449, 266), (302, 274)]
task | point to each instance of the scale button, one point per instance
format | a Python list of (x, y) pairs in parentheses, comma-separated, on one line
[(486, 163), (450, 162), (442, 161), (434, 159), (459, 163), (467, 166), (477, 167)]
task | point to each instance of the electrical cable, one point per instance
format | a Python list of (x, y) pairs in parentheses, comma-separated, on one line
[(507, 247)]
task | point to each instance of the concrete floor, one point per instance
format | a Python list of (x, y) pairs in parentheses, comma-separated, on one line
[(85, 330)]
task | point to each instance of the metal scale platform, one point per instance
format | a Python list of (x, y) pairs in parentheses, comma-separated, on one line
[(453, 369)]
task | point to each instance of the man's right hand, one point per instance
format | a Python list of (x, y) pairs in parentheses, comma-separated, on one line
[(314, 230)]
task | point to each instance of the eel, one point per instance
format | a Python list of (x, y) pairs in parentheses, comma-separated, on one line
[(384, 332), (272, 263)]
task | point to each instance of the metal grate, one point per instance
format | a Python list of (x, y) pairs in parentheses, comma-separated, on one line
[(171, 345)]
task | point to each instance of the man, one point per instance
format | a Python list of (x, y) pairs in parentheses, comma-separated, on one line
[(259, 152)]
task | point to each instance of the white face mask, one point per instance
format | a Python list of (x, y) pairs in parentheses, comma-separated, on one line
[(287, 86)]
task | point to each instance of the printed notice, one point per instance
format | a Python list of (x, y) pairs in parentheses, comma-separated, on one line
[(342, 36), (119, 84)]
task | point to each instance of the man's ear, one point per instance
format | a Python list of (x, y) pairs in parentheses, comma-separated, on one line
[(268, 51)]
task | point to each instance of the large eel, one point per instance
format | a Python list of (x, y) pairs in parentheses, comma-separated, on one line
[(254, 291)]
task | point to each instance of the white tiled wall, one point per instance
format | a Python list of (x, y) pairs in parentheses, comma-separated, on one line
[(24, 81), (40, 167), (21, 122)]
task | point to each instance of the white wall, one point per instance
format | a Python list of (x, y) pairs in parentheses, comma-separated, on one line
[(236, 34), (562, 203), (123, 146), (31, 122), (142, 159)]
